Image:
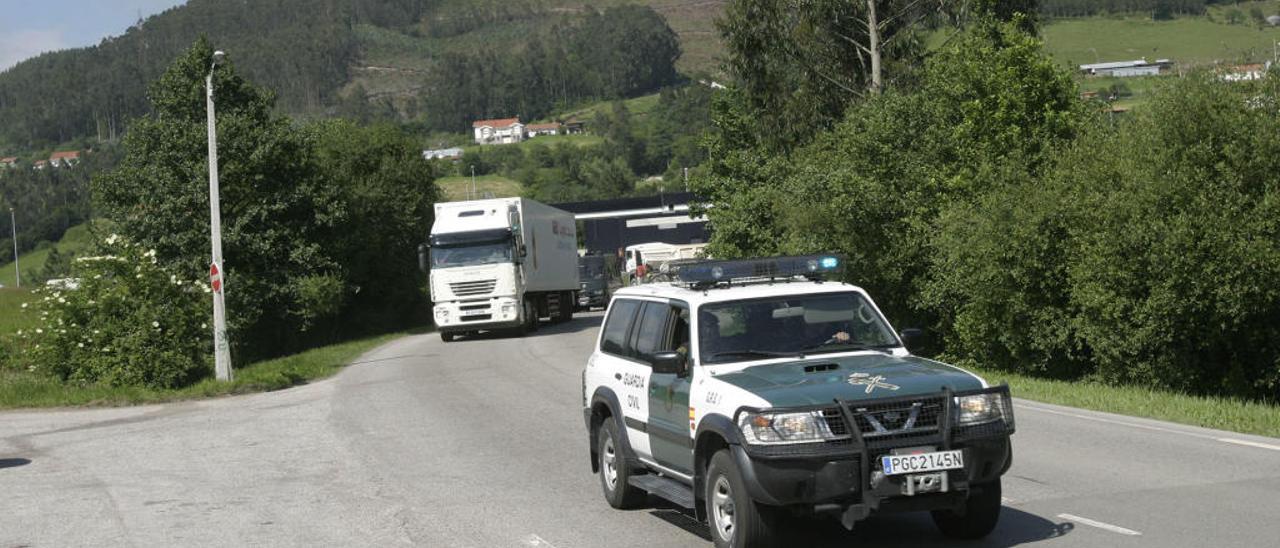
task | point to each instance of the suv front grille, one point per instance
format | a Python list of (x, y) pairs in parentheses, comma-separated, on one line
[(892, 424), (465, 289)]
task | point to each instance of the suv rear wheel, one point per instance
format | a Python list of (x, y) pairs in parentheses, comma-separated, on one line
[(736, 521), (614, 471), (978, 517)]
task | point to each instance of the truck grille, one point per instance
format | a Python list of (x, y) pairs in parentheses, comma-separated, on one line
[(481, 287)]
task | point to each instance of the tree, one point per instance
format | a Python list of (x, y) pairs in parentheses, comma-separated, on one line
[(276, 213)]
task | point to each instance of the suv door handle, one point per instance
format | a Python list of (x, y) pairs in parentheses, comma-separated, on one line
[(617, 376)]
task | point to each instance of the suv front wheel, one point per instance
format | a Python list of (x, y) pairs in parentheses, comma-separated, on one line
[(736, 521), (978, 517)]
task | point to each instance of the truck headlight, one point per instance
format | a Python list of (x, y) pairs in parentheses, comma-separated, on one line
[(979, 408), (766, 428)]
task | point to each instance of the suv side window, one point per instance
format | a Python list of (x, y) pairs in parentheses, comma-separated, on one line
[(653, 330), (617, 325)]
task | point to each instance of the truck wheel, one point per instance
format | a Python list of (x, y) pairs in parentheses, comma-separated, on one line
[(736, 521), (447, 337), (567, 305), (978, 517), (614, 471)]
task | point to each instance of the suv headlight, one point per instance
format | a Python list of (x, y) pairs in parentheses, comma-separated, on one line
[(766, 428), (979, 408)]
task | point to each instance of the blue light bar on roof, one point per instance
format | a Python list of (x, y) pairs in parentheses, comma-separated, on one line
[(712, 272)]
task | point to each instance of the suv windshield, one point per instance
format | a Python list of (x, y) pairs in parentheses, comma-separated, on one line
[(470, 255), (790, 326)]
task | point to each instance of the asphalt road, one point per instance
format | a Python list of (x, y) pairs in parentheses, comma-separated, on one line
[(480, 443)]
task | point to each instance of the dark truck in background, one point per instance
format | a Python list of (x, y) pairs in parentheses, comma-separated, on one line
[(593, 282)]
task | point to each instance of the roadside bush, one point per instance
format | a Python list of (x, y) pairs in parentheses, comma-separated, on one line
[(1148, 255), (129, 322)]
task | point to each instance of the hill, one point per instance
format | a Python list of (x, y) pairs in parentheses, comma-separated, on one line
[(369, 59), (76, 240), (1189, 41)]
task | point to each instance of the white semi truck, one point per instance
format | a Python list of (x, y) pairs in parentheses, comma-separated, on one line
[(501, 264)]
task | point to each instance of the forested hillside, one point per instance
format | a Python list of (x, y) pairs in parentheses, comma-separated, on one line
[(406, 60)]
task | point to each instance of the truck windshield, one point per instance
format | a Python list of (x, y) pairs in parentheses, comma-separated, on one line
[(470, 254), (591, 270), (790, 326)]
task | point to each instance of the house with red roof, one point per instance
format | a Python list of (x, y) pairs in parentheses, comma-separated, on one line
[(500, 131), (64, 158), (553, 128)]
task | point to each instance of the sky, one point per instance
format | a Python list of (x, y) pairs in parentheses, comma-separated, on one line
[(31, 27)]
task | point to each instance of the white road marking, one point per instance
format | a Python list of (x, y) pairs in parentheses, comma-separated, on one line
[(535, 541), (1007, 501), (1153, 428), (1100, 525), (1250, 443)]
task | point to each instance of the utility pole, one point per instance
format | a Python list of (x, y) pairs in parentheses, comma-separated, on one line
[(17, 272), (221, 346), (686, 179), (473, 182)]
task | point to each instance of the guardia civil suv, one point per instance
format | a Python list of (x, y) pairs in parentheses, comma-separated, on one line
[(747, 389)]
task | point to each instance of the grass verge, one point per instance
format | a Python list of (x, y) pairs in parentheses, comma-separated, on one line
[(20, 389), (1209, 412)]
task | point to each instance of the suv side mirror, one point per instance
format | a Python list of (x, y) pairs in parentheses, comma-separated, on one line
[(911, 338), (670, 362), (423, 257)]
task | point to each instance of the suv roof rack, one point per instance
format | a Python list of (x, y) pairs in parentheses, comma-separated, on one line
[(705, 274)]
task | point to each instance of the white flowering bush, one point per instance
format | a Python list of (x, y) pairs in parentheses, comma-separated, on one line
[(123, 320)]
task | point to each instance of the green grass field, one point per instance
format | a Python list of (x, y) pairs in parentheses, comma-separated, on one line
[(22, 389), (1220, 413), (76, 239), (1188, 41), (459, 188), (12, 317)]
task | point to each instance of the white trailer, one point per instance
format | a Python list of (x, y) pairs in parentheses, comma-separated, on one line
[(654, 256), (501, 264)]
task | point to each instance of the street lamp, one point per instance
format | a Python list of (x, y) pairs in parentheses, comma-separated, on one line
[(221, 346), (17, 272)]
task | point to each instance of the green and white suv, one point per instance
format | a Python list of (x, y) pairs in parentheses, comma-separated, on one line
[(745, 390)]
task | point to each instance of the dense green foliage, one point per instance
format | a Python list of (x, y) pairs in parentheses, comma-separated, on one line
[(986, 201), (129, 322), (313, 219), (620, 52), (46, 202), (301, 50), (1147, 256)]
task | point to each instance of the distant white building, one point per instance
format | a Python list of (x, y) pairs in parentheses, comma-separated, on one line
[(501, 131), (442, 154), (553, 128), (1124, 69)]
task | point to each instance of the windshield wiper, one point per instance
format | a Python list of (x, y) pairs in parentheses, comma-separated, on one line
[(757, 353)]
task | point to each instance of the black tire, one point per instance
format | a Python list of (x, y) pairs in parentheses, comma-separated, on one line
[(750, 524), (566, 307), (447, 337), (978, 517), (613, 469)]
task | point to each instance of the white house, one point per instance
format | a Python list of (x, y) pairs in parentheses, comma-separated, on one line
[(553, 128), (442, 154), (64, 158), (503, 131)]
